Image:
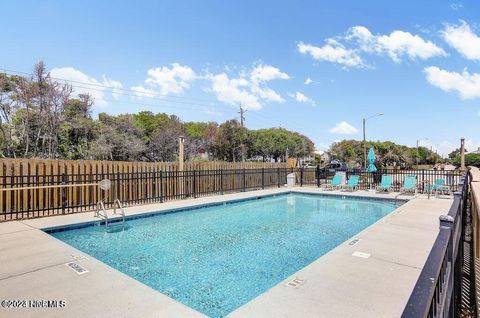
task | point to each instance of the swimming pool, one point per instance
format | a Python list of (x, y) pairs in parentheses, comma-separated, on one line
[(215, 259)]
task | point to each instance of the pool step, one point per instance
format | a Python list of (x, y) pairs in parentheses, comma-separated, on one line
[(114, 225)]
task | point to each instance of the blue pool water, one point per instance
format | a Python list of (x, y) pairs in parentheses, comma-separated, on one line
[(215, 259)]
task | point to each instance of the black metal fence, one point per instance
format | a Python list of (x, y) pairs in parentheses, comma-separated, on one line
[(370, 180), (438, 291), (30, 196), (27, 196)]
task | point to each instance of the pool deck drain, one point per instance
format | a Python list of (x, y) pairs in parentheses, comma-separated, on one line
[(335, 285)]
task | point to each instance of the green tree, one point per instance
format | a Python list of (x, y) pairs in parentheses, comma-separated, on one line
[(78, 129), (229, 141), (471, 159)]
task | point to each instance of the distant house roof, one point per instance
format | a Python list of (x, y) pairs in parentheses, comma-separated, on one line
[(476, 151)]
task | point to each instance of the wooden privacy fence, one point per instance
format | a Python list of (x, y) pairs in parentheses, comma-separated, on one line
[(36, 188)]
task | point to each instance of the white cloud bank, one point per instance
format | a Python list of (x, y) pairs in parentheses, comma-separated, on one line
[(463, 39), (466, 84), (166, 80), (250, 88), (333, 52), (84, 84), (343, 128), (396, 45)]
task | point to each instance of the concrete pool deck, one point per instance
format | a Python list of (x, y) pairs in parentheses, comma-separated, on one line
[(337, 284)]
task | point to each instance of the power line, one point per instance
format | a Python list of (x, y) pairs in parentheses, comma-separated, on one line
[(136, 96), (156, 105), (141, 94), (136, 92)]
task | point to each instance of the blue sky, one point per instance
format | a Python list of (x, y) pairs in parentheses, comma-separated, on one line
[(317, 67)]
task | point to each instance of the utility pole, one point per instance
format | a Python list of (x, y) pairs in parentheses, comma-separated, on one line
[(181, 155), (242, 121), (242, 117)]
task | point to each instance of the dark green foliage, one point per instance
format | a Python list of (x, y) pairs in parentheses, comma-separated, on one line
[(471, 159)]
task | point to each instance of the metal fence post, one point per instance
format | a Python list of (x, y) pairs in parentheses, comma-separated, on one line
[(244, 181), (278, 176), (317, 174), (161, 186), (221, 181), (194, 183), (301, 176), (423, 179), (263, 178), (64, 192)]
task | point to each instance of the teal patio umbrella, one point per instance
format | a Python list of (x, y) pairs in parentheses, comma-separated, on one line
[(371, 161)]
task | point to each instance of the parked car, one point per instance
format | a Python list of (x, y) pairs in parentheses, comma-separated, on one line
[(336, 166)]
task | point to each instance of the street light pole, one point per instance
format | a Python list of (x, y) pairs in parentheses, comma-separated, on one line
[(365, 140)]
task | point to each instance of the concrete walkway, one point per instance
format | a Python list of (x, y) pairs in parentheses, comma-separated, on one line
[(336, 285)]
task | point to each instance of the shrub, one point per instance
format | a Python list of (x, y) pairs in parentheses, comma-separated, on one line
[(471, 159)]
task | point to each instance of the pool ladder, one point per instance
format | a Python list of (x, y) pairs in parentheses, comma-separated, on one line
[(101, 212)]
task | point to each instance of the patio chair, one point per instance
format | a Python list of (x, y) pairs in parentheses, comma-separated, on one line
[(386, 183), (439, 187), (352, 183), (336, 182), (409, 185)]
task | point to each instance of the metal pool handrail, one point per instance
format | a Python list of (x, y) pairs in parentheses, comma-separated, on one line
[(437, 291)]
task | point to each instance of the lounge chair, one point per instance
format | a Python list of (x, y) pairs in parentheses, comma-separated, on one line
[(386, 183), (352, 183), (439, 187), (336, 182), (409, 185)]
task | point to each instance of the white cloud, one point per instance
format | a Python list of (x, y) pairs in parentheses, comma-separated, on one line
[(173, 80), (84, 84), (301, 98), (343, 128), (264, 73), (308, 81), (396, 45), (333, 51), (465, 83), (115, 86), (365, 38), (234, 91), (250, 88), (400, 43), (463, 39)]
